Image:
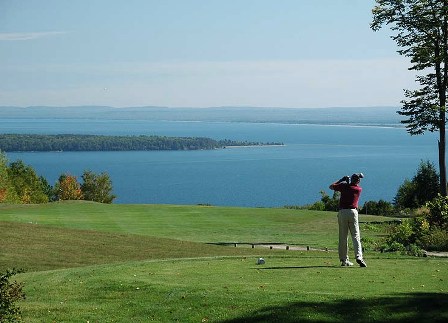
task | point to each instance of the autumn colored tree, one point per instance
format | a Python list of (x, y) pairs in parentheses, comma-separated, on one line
[(68, 188)]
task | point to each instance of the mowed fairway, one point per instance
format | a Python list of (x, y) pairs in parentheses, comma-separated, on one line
[(87, 262)]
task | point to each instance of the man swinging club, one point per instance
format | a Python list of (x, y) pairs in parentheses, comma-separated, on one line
[(348, 217)]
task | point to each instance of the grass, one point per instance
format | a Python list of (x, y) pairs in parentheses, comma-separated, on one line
[(88, 262), (38, 247), (307, 287), (190, 223)]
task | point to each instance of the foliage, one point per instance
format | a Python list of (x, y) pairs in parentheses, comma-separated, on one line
[(317, 206), (401, 233), (438, 212), (47, 188), (97, 187), (426, 182), (380, 207), (68, 188), (330, 203), (423, 187), (10, 293), (68, 142), (7, 191), (421, 28), (429, 230), (435, 240), (405, 197), (30, 188), (19, 184), (406, 237), (326, 203)]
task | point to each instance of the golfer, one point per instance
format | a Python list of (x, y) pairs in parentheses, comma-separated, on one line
[(348, 217)]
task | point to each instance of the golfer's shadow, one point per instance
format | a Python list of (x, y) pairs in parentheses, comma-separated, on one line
[(294, 267)]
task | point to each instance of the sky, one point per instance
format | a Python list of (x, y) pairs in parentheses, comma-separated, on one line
[(197, 53)]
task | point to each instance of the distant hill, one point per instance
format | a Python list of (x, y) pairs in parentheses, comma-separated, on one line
[(375, 116)]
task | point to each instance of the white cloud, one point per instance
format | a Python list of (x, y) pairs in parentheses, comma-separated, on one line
[(28, 36)]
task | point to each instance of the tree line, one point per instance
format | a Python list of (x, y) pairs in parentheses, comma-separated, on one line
[(71, 142), (19, 184)]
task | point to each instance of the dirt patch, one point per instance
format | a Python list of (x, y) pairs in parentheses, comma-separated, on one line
[(436, 254)]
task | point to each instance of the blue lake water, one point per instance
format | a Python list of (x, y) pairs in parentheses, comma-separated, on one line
[(294, 174)]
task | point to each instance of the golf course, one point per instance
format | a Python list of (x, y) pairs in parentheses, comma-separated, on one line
[(92, 262)]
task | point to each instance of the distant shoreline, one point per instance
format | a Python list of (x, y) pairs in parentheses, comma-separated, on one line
[(343, 116), (72, 142), (251, 146)]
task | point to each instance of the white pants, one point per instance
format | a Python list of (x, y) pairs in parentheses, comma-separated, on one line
[(348, 220)]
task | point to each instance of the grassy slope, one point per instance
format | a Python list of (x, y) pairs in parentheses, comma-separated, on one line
[(135, 273), (37, 247), (190, 223)]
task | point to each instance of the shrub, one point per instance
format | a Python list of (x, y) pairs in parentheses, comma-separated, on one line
[(427, 231), (401, 233), (392, 246), (405, 237), (317, 206), (10, 293), (369, 243), (436, 240), (438, 212), (414, 250)]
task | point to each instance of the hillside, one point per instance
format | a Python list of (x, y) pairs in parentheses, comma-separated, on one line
[(90, 262)]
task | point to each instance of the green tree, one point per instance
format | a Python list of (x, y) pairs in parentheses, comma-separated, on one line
[(330, 203), (423, 188), (421, 28), (405, 197), (426, 181), (381, 207), (96, 187), (47, 188), (7, 191), (29, 187)]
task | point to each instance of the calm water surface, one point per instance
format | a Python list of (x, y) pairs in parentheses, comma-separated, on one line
[(294, 174)]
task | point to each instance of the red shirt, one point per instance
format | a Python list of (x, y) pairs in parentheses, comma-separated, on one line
[(349, 195)]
